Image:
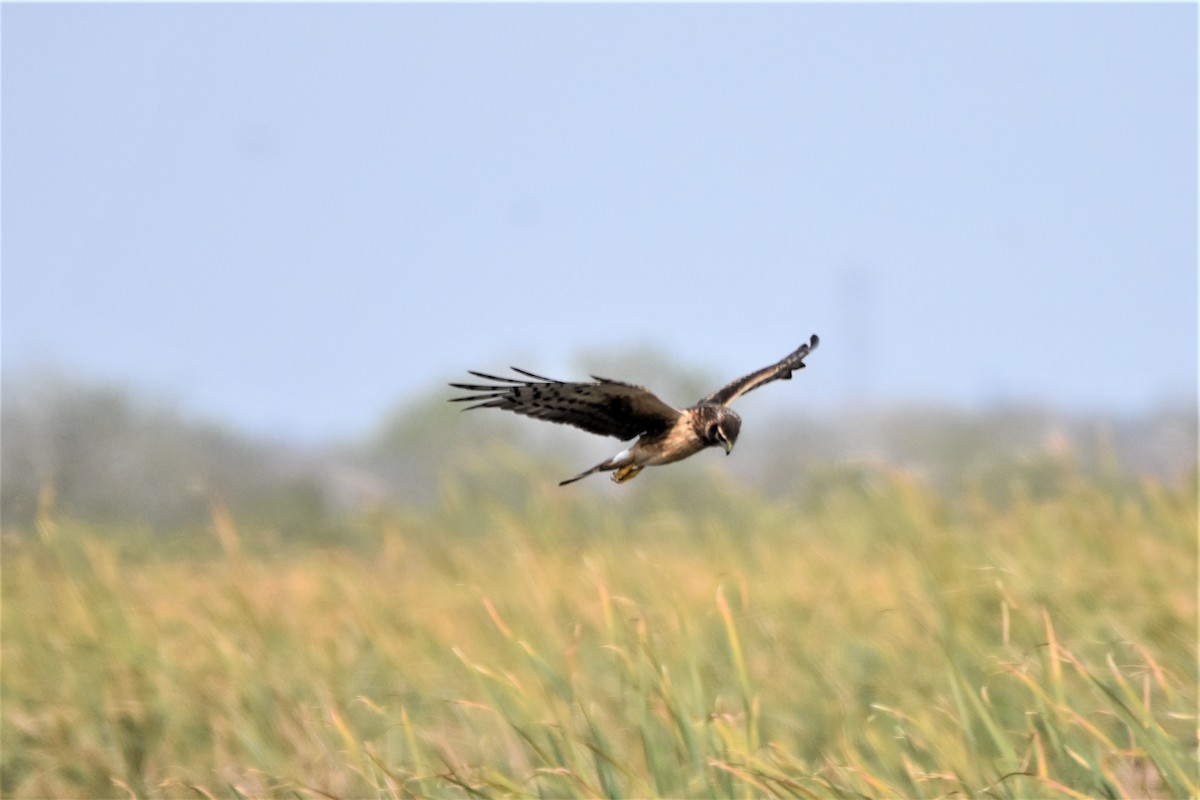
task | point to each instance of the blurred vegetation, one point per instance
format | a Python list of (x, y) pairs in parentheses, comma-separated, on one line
[(872, 636), (913, 602), (114, 458)]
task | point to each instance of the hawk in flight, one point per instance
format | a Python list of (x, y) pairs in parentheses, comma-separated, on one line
[(612, 408)]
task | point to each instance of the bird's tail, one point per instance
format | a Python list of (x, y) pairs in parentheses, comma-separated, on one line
[(622, 462), (622, 474), (585, 473)]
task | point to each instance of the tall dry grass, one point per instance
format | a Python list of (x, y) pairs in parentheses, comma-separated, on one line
[(874, 638)]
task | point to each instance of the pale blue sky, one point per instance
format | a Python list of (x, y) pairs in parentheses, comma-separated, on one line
[(291, 217)]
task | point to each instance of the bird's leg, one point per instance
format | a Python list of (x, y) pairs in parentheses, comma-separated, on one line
[(626, 473)]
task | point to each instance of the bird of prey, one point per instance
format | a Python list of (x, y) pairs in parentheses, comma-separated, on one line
[(613, 408)]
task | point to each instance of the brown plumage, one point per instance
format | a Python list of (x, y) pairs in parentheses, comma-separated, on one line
[(612, 408)]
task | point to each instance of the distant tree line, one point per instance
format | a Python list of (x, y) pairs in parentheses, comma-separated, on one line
[(109, 455)]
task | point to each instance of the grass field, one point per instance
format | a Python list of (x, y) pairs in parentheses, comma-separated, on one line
[(872, 638)]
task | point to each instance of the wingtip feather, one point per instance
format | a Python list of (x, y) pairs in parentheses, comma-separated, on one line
[(488, 377), (536, 377)]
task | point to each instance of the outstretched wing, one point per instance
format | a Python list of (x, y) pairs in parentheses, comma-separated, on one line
[(606, 407), (780, 371)]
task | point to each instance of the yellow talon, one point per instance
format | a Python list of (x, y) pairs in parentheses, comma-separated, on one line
[(626, 473)]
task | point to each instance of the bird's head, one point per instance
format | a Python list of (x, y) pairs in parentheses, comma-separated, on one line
[(721, 427)]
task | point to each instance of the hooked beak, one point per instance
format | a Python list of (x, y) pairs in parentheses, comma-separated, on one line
[(728, 447)]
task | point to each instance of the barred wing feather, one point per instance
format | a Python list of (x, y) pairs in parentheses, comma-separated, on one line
[(605, 407)]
